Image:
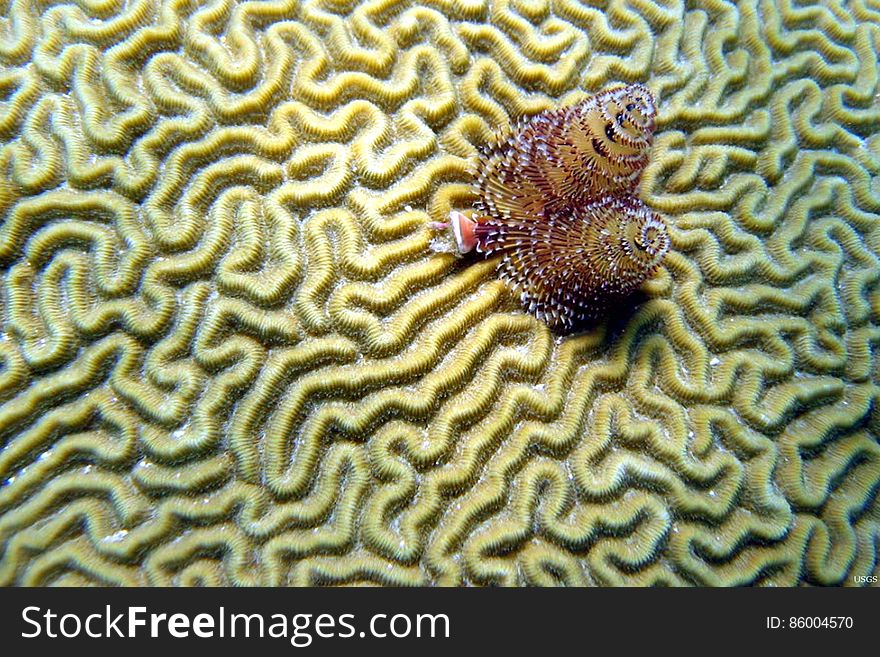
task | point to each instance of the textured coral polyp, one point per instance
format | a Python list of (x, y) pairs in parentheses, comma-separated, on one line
[(229, 356)]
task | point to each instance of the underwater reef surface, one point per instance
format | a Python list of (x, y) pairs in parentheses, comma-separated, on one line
[(229, 354)]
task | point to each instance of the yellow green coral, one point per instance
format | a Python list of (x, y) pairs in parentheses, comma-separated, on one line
[(230, 356)]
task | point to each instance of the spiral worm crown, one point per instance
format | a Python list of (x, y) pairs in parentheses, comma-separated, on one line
[(556, 197)]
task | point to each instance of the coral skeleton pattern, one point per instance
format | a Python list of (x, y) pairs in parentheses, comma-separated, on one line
[(229, 357)]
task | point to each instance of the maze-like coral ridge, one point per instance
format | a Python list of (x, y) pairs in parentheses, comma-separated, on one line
[(230, 356)]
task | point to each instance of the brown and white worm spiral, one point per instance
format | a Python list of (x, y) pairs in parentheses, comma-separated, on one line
[(557, 199)]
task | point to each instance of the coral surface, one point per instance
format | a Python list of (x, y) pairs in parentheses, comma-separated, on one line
[(229, 356)]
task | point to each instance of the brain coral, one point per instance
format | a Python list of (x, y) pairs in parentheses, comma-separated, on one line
[(229, 356)]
